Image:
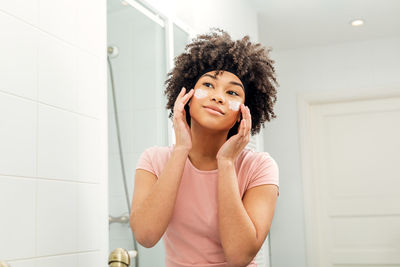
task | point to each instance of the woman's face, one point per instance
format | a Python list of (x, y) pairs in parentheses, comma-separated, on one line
[(224, 92)]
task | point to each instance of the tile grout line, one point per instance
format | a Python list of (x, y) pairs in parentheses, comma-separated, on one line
[(49, 33), (54, 255), (37, 153), (49, 179), (43, 103)]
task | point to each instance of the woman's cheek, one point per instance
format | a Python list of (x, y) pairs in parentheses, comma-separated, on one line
[(200, 93), (234, 105)]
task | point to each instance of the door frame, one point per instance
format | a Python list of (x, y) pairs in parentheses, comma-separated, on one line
[(305, 102)]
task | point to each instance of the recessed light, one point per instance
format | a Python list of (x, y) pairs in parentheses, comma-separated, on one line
[(357, 22), (124, 3)]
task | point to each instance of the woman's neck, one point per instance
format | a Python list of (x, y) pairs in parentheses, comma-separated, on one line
[(206, 143)]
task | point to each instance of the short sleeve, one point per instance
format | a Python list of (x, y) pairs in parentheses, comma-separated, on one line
[(145, 161), (266, 171)]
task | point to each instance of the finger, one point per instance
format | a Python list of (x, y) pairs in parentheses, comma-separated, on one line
[(240, 127), (181, 93), (244, 115), (180, 103), (180, 97), (187, 96), (249, 118), (247, 121), (243, 128)]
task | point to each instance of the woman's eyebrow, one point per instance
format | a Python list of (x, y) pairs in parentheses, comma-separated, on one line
[(209, 75), (236, 83), (231, 82)]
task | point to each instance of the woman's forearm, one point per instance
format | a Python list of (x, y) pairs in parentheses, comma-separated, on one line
[(152, 217), (237, 231)]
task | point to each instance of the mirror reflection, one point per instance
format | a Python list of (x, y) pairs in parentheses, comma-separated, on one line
[(199, 133)]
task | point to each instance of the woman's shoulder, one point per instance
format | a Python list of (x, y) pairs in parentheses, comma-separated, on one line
[(249, 154), (159, 151), (156, 147), (249, 159)]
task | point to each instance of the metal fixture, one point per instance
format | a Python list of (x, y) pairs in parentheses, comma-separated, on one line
[(124, 219), (121, 257), (112, 51)]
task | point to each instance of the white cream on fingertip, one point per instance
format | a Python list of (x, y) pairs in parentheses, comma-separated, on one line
[(234, 105), (200, 93)]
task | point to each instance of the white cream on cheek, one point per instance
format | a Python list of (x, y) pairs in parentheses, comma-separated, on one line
[(234, 105), (200, 93)]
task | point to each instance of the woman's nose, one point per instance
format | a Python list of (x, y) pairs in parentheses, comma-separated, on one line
[(218, 96)]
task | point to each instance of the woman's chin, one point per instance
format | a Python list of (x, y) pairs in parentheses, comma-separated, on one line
[(214, 126)]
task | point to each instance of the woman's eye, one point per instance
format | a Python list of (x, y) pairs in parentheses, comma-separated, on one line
[(211, 86), (208, 84), (233, 92)]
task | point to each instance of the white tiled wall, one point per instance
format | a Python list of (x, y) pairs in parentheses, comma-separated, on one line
[(53, 133)]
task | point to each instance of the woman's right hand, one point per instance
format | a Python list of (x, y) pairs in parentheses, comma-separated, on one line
[(183, 134)]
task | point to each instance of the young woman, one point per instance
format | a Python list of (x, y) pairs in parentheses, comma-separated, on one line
[(210, 198)]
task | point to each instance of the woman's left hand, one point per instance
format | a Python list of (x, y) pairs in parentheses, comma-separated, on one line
[(236, 143)]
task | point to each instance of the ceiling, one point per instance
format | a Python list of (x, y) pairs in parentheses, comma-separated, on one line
[(290, 24), (114, 6)]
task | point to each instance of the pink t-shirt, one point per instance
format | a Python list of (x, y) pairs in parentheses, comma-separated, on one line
[(192, 238)]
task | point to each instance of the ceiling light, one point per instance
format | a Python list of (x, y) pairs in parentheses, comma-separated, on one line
[(357, 22)]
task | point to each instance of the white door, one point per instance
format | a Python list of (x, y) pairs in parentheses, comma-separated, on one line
[(353, 183)]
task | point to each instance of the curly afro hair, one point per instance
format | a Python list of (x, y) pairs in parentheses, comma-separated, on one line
[(248, 61)]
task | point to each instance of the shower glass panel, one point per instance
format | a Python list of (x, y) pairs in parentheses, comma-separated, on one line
[(181, 38), (138, 72)]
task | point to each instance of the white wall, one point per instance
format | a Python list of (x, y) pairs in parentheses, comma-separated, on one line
[(53, 137), (237, 17), (363, 65)]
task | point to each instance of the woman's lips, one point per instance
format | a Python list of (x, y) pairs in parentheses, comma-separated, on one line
[(213, 111)]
